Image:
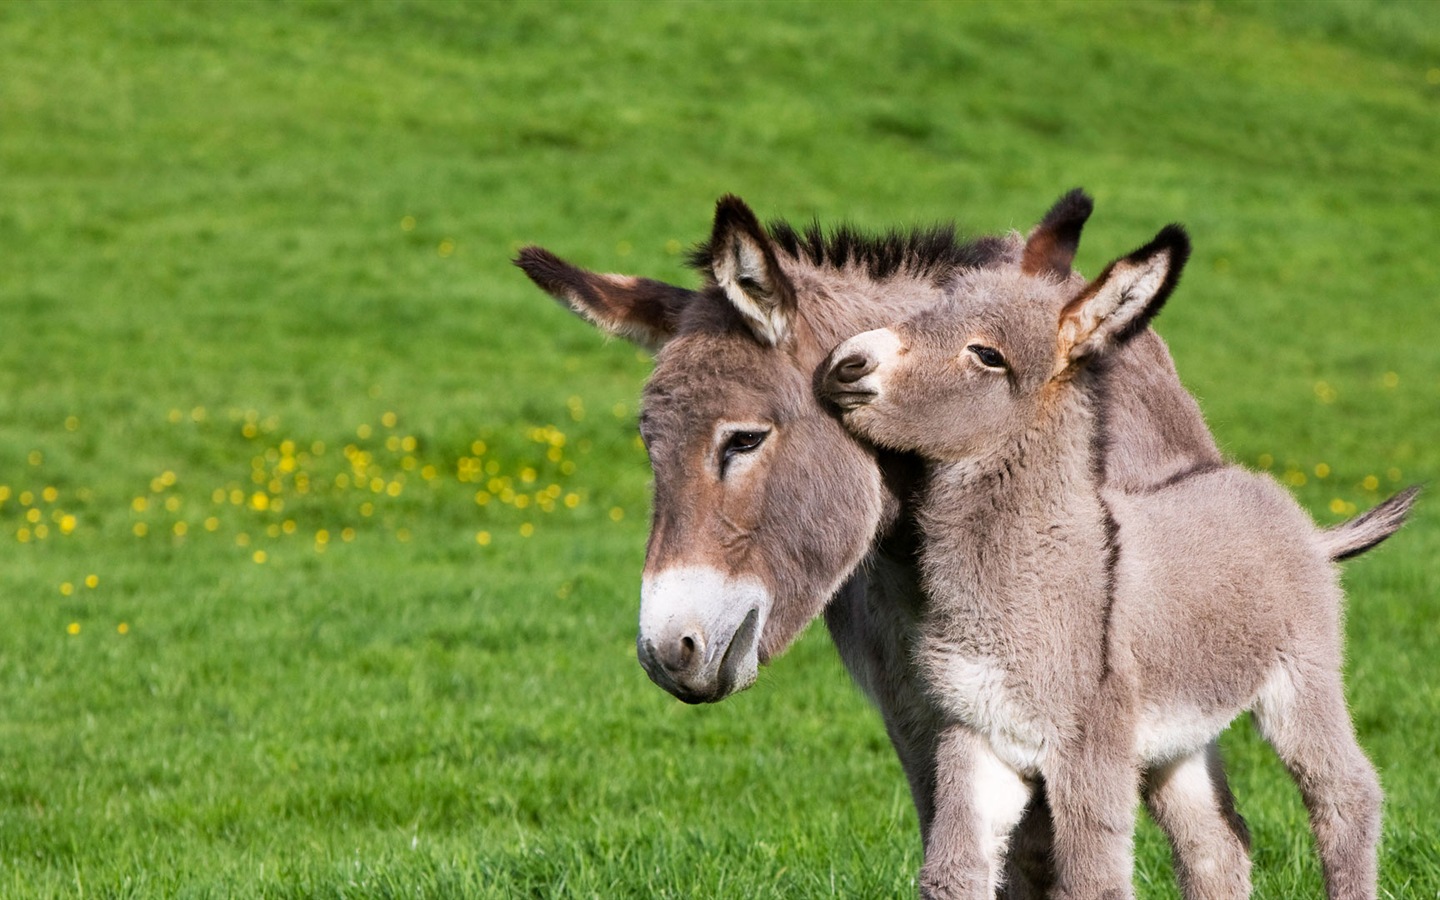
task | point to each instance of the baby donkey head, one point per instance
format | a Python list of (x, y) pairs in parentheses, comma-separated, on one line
[(968, 378)]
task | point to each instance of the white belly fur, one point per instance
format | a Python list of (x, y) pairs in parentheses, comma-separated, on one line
[(972, 689)]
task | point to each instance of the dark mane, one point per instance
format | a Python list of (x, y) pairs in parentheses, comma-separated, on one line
[(933, 252)]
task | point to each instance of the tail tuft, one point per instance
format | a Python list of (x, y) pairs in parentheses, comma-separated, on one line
[(1354, 537)]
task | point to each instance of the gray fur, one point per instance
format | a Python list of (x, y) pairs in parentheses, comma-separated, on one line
[(1088, 629), (823, 521)]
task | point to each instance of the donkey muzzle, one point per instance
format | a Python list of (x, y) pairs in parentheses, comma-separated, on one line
[(700, 632), (848, 378)]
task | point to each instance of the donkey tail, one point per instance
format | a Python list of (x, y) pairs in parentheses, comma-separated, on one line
[(1355, 536)]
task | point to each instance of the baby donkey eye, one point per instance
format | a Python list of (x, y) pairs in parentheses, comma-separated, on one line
[(988, 356)]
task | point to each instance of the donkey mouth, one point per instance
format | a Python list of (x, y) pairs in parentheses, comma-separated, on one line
[(850, 398), (738, 665), (711, 681)]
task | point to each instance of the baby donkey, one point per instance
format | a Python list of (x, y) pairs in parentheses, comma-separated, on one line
[(1081, 635)]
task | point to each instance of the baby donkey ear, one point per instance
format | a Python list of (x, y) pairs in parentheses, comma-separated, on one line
[(1124, 298)]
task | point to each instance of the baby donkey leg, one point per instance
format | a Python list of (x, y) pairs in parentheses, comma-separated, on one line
[(1191, 802), (978, 801), (1303, 716), (1093, 788)]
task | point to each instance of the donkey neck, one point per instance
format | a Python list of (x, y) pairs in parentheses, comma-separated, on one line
[(1040, 485), (1022, 540)]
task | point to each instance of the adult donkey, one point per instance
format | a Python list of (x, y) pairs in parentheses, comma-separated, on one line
[(767, 513)]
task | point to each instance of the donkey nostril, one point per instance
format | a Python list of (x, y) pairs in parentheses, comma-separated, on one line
[(853, 368), (689, 652)]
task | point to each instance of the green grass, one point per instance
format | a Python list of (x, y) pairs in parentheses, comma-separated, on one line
[(226, 227)]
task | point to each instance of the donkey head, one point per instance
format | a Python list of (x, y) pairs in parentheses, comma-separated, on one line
[(963, 379), (763, 503)]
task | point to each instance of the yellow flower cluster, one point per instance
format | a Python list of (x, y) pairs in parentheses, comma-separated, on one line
[(380, 480), (90, 582), (38, 513), (1296, 475)]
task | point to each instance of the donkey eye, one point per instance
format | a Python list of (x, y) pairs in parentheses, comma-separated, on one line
[(738, 443), (743, 442), (988, 356)]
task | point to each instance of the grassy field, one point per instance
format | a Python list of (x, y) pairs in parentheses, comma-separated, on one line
[(322, 528)]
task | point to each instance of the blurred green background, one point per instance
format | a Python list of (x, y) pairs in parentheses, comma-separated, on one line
[(322, 527)]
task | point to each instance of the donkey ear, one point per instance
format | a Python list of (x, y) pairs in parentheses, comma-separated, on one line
[(1051, 247), (744, 265), (1121, 302), (639, 309)]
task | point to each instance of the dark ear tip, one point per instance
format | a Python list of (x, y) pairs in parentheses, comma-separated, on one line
[(1174, 235), (534, 258), (1176, 239), (1172, 239), (1078, 200), (731, 204), (1073, 208), (731, 208), (547, 270)]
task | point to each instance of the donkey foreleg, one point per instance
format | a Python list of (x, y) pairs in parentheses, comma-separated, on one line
[(1093, 787), (1191, 802), (978, 802)]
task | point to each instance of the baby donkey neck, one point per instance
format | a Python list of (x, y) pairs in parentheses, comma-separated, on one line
[(1053, 464)]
